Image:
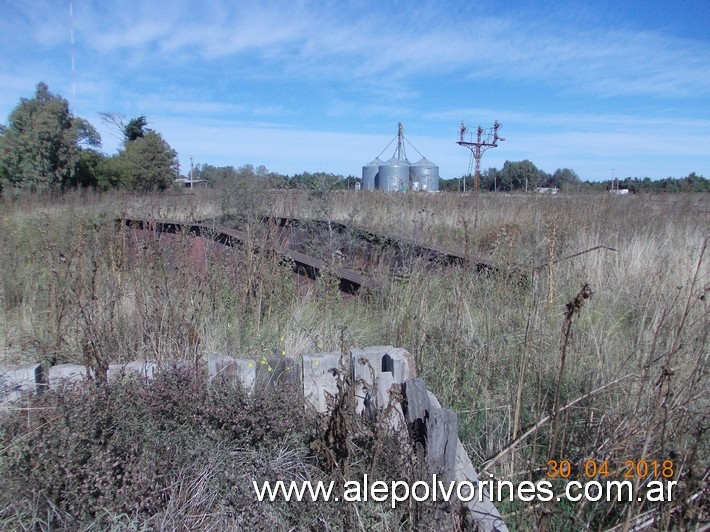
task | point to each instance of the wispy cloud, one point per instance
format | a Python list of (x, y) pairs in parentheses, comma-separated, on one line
[(310, 41)]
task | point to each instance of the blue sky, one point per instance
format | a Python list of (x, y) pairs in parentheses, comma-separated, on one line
[(320, 86)]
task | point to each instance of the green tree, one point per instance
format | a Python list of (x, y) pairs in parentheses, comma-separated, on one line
[(449, 185), (150, 163), (317, 181), (135, 129), (41, 145), (112, 172), (489, 179), (563, 178), (351, 181), (518, 175), (88, 168)]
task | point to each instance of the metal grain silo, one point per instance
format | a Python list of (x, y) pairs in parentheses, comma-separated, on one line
[(424, 175), (369, 174), (393, 175)]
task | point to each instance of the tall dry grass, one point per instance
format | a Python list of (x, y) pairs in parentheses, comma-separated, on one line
[(632, 386)]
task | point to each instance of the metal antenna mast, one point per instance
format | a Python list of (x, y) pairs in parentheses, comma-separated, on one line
[(401, 152), (478, 148), (71, 40)]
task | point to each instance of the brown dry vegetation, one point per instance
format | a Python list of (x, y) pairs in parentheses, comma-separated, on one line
[(622, 377)]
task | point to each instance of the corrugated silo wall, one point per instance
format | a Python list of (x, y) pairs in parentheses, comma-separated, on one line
[(424, 176), (369, 174), (433, 179), (393, 175)]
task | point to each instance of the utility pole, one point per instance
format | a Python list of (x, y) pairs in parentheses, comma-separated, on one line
[(191, 173), (483, 143)]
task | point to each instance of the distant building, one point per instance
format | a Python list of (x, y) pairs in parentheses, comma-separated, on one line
[(547, 190), (620, 192), (192, 183)]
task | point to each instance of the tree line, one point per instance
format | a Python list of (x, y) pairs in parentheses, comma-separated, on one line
[(524, 175), (218, 175), (44, 146)]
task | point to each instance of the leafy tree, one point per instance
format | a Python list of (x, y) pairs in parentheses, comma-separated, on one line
[(113, 172), (214, 174), (695, 183), (147, 163), (450, 185), (518, 175), (88, 168), (40, 146), (351, 181), (489, 179), (563, 178), (135, 129), (317, 181)]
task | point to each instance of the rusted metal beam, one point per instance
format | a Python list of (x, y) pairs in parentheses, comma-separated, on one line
[(430, 252), (350, 281)]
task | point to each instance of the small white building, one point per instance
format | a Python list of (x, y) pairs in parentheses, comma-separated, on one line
[(190, 183)]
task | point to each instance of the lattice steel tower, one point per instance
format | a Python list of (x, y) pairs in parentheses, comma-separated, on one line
[(483, 143)]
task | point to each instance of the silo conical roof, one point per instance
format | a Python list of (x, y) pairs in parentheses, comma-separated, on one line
[(424, 162), (397, 162)]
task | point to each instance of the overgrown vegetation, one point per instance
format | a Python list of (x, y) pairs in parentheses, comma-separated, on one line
[(178, 454), (622, 378)]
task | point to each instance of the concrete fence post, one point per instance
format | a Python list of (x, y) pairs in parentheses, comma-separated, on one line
[(234, 371), (64, 374), (21, 380), (320, 378)]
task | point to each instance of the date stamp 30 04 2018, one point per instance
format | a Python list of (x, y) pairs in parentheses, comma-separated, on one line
[(564, 469)]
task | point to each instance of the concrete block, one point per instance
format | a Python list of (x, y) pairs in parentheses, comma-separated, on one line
[(366, 368), (442, 440), (236, 371), (418, 402), (63, 374), (278, 371), (143, 369), (384, 384), (246, 374), (389, 400), (320, 378), (18, 381), (418, 406), (375, 370), (403, 365), (395, 360), (368, 362), (221, 367), (483, 513)]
